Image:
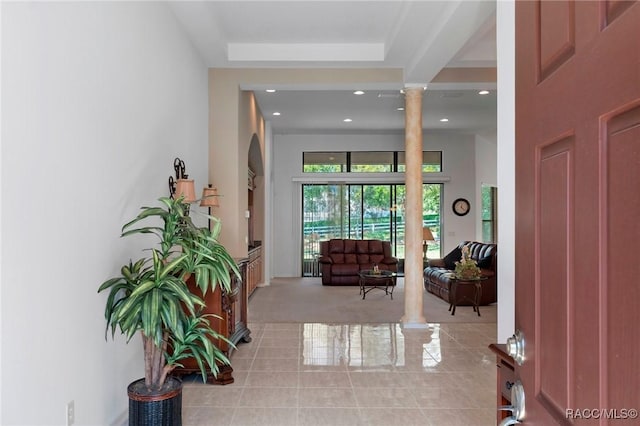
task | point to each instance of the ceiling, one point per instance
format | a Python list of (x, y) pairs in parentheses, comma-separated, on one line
[(421, 38)]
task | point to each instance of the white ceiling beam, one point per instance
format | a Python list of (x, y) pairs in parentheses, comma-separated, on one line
[(461, 21), (329, 52)]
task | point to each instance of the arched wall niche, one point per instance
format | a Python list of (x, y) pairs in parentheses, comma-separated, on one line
[(256, 193)]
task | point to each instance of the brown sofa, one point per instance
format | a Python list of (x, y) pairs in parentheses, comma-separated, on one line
[(341, 259), (437, 276)]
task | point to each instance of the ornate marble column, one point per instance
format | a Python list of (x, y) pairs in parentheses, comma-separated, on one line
[(413, 287)]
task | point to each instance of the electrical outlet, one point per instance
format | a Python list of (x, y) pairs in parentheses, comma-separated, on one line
[(71, 413)]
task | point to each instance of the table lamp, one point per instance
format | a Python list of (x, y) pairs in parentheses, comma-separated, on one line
[(426, 237)]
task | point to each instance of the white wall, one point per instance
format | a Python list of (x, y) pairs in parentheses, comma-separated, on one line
[(97, 100), (1, 221), (458, 166), (505, 27)]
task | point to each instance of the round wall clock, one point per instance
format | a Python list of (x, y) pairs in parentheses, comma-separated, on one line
[(461, 206)]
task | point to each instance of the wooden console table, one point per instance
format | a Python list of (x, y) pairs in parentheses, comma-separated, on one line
[(254, 269), (505, 378), (231, 308)]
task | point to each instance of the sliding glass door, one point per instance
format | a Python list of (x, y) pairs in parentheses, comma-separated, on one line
[(361, 211)]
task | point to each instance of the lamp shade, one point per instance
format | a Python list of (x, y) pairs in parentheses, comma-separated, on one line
[(186, 188), (209, 197), (426, 234)]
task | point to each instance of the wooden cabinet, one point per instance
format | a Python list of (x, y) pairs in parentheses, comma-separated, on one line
[(254, 269), (238, 306), (505, 378), (231, 308)]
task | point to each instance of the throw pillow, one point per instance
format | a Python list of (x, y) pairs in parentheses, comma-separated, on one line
[(453, 257)]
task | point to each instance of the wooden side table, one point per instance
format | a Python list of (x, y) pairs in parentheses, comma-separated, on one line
[(453, 299), (505, 378)]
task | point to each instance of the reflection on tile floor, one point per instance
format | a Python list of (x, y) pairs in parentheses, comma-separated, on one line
[(353, 374)]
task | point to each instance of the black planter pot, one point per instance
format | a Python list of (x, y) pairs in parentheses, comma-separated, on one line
[(163, 408)]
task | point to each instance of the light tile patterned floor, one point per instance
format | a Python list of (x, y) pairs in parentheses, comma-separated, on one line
[(353, 374)]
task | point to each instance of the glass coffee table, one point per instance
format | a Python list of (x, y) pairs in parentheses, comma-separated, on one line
[(383, 280)]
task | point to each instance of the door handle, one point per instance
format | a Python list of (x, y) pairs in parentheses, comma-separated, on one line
[(515, 347), (516, 407), (509, 421)]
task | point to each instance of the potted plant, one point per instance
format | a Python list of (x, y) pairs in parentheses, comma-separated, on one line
[(150, 296), (467, 268)]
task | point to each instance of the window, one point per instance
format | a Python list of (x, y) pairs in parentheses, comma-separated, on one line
[(431, 161), (366, 162), (489, 213), (324, 162), (371, 162), (362, 211)]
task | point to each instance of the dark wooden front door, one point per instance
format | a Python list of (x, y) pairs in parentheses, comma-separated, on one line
[(578, 209)]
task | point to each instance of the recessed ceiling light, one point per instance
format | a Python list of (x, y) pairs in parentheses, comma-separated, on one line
[(347, 120), (389, 95), (276, 113), (483, 92), (444, 120), (270, 90), (358, 92), (400, 108)]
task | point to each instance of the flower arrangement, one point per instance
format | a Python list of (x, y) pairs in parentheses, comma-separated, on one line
[(467, 268)]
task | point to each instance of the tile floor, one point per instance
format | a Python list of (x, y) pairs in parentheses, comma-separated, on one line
[(353, 374)]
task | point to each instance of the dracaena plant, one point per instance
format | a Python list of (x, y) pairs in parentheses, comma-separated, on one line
[(151, 296)]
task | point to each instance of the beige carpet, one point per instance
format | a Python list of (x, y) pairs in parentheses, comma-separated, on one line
[(307, 300)]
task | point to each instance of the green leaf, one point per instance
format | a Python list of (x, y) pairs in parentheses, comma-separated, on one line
[(145, 213), (172, 266), (180, 290)]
